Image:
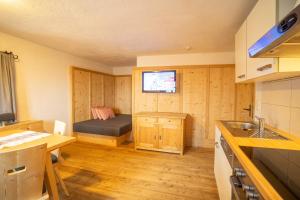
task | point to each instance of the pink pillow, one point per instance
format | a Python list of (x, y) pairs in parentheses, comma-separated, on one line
[(110, 112), (94, 112), (102, 113), (98, 112)]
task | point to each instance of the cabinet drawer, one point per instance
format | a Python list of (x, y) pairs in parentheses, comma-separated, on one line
[(147, 120), (38, 126), (21, 127), (176, 122)]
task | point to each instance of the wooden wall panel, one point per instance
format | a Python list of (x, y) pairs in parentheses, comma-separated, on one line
[(143, 102), (155, 102), (123, 94), (228, 93), (81, 95), (195, 94), (97, 90), (221, 98), (206, 94), (244, 100), (168, 102), (91, 88), (109, 91)]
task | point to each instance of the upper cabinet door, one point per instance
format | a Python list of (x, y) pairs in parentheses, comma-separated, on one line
[(262, 18), (241, 53)]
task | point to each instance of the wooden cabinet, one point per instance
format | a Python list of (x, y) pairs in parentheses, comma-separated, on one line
[(261, 19), (34, 126), (170, 134), (160, 131), (25, 125), (222, 169), (146, 132), (241, 53)]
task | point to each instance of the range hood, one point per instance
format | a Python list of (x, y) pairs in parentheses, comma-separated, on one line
[(283, 40)]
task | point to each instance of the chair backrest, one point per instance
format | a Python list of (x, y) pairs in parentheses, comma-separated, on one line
[(22, 173), (59, 127)]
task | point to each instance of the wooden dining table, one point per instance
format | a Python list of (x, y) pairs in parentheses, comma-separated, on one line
[(53, 141)]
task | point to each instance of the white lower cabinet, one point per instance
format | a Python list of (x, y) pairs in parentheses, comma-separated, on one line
[(222, 169)]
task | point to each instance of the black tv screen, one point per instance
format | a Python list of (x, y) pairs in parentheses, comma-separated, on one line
[(159, 81)]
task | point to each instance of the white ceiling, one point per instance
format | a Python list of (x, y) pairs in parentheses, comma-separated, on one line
[(114, 32)]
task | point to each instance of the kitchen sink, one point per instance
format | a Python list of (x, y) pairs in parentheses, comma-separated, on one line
[(241, 125), (250, 130)]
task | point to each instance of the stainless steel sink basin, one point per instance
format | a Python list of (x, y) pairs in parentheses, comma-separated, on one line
[(250, 129), (242, 125)]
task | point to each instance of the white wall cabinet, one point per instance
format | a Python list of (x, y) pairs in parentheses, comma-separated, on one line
[(259, 21), (222, 169), (264, 15), (241, 53)]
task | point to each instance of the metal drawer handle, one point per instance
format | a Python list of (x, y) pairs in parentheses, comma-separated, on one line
[(265, 67), (242, 76)]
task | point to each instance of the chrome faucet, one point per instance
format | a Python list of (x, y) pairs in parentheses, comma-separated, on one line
[(261, 125)]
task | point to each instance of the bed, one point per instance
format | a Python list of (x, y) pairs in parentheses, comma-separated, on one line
[(110, 132)]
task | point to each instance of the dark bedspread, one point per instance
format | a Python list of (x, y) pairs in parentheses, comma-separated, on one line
[(117, 126)]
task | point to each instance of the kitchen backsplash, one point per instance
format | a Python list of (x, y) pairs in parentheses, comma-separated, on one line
[(279, 103)]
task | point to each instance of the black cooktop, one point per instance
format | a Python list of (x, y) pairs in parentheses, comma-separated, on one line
[(280, 167)]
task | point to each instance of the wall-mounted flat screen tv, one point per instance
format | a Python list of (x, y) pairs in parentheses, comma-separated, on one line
[(159, 81)]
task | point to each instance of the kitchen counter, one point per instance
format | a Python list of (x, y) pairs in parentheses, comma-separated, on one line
[(261, 183)]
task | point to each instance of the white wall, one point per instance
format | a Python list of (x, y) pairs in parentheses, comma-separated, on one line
[(126, 70), (186, 59), (44, 80), (279, 103)]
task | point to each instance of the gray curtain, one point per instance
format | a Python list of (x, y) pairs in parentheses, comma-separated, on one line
[(7, 84)]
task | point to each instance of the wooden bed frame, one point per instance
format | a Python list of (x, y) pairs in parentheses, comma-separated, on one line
[(102, 139)]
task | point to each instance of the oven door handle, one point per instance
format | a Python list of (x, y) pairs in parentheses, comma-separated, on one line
[(236, 184)]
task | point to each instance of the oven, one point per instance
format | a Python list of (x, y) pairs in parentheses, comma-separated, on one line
[(242, 187)]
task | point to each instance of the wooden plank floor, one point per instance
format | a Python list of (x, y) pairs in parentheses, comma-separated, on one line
[(96, 172)]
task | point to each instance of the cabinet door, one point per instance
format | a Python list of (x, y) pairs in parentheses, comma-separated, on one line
[(262, 18), (222, 169), (241, 53), (170, 134), (147, 132)]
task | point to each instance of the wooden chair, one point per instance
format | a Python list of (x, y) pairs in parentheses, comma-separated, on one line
[(22, 173), (59, 128)]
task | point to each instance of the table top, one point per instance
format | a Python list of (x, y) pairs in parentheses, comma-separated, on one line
[(54, 141)]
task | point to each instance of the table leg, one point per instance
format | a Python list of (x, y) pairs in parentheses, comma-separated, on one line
[(50, 178)]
